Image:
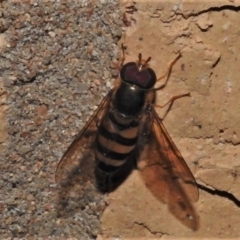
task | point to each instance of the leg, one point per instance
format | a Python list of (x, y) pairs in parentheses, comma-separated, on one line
[(122, 58), (170, 102), (167, 74)]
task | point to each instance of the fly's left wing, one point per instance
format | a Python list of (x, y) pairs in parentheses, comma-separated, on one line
[(76, 158), (167, 175)]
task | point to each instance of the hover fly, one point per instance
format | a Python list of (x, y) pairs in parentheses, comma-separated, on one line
[(125, 129)]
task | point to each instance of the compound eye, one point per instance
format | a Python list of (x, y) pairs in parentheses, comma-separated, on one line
[(145, 79), (129, 72)]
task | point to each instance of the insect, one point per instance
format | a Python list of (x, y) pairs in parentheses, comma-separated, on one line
[(125, 129)]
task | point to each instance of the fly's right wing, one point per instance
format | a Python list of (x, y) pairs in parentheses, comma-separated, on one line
[(76, 158), (166, 174)]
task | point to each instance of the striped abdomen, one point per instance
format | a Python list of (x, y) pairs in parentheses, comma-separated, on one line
[(116, 140), (118, 136)]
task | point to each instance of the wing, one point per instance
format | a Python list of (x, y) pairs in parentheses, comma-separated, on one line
[(177, 164), (73, 159), (167, 175)]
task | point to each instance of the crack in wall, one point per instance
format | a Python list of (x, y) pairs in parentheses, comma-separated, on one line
[(225, 142), (149, 230), (211, 9), (219, 193)]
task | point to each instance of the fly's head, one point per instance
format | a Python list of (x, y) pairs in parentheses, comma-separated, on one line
[(139, 73)]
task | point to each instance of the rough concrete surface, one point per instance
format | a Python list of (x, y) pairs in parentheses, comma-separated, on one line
[(55, 59), (205, 127)]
